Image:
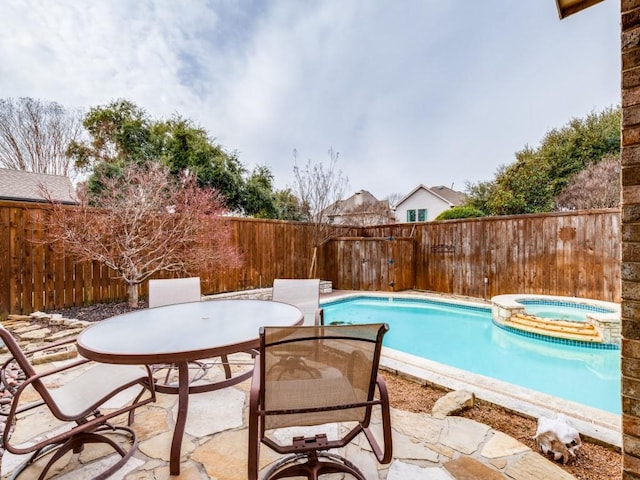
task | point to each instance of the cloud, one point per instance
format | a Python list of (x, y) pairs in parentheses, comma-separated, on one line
[(408, 92)]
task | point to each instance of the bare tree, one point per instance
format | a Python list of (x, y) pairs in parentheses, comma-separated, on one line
[(597, 186), (367, 214), (146, 222), (319, 190), (34, 136), (394, 198)]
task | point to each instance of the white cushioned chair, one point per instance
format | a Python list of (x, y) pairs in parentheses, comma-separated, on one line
[(304, 294), (171, 291)]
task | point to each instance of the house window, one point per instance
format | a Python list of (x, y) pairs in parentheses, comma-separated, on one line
[(422, 215), (411, 215)]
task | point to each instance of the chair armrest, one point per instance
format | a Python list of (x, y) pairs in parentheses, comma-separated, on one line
[(15, 392), (29, 353)]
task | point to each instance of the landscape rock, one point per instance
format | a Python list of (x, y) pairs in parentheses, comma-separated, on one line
[(452, 403)]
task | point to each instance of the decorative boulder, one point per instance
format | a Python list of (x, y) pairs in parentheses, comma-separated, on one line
[(557, 436), (452, 403)]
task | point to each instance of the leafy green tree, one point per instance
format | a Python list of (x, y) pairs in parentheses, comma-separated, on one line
[(182, 145), (288, 206), (536, 178), (580, 143), (121, 133), (259, 200), (522, 187), (478, 195)]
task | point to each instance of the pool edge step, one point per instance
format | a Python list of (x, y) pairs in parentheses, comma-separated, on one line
[(555, 328)]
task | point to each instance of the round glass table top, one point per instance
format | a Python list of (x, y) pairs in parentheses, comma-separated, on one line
[(185, 331)]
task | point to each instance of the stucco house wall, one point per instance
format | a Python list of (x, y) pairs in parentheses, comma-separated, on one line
[(423, 198)]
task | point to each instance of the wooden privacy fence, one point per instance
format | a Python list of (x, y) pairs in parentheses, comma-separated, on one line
[(568, 254), (34, 277), (367, 263), (573, 254)]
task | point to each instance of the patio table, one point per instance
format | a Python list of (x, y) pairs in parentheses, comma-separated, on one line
[(183, 333)]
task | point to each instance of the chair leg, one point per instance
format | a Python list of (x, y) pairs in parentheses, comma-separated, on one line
[(226, 366), (290, 467), (76, 444), (254, 446), (255, 426), (132, 412)]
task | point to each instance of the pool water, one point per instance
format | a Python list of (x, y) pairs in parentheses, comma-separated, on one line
[(560, 310), (465, 337), (556, 312)]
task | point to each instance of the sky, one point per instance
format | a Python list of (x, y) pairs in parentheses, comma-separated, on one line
[(407, 92)]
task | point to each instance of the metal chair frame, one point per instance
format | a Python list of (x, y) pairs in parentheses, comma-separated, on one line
[(90, 422), (308, 456)]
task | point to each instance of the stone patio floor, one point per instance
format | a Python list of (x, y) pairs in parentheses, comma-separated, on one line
[(215, 446)]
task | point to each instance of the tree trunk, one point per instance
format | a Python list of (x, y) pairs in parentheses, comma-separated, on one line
[(312, 267), (132, 290)]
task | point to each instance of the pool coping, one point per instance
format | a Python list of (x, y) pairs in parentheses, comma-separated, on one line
[(595, 424), (513, 301)]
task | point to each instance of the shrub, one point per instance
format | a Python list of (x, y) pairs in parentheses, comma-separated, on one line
[(460, 212)]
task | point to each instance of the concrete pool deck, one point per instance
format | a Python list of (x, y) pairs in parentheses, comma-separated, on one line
[(593, 423)]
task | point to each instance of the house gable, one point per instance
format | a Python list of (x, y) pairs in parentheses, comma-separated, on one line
[(424, 204)]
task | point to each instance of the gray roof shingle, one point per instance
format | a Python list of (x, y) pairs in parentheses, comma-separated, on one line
[(453, 196), (24, 186)]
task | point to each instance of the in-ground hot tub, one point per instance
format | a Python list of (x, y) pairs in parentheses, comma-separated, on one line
[(569, 318)]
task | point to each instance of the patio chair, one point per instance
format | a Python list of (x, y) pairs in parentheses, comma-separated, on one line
[(304, 294), (78, 402), (171, 291), (338, 386)]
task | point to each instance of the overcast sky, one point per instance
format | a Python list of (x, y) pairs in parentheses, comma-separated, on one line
[(437, 92)]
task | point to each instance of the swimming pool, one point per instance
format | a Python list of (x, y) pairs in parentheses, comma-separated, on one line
[(465, 337), (568, 318)]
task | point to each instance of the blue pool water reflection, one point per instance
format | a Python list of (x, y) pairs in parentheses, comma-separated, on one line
[(465, 337)]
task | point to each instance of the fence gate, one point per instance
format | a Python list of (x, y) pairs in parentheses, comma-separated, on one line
[(365, 263)]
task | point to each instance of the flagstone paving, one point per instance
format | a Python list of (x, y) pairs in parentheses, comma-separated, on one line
[(215, 446), (425, 447)]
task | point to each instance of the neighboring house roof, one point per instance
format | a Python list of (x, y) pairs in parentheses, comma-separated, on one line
[(359, 198), (22, 186), (452, 196), (359, 204), (447, 195)]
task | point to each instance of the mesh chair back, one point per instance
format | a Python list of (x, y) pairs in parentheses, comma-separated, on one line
[(170, 291), (333, 382), (303, 293)]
